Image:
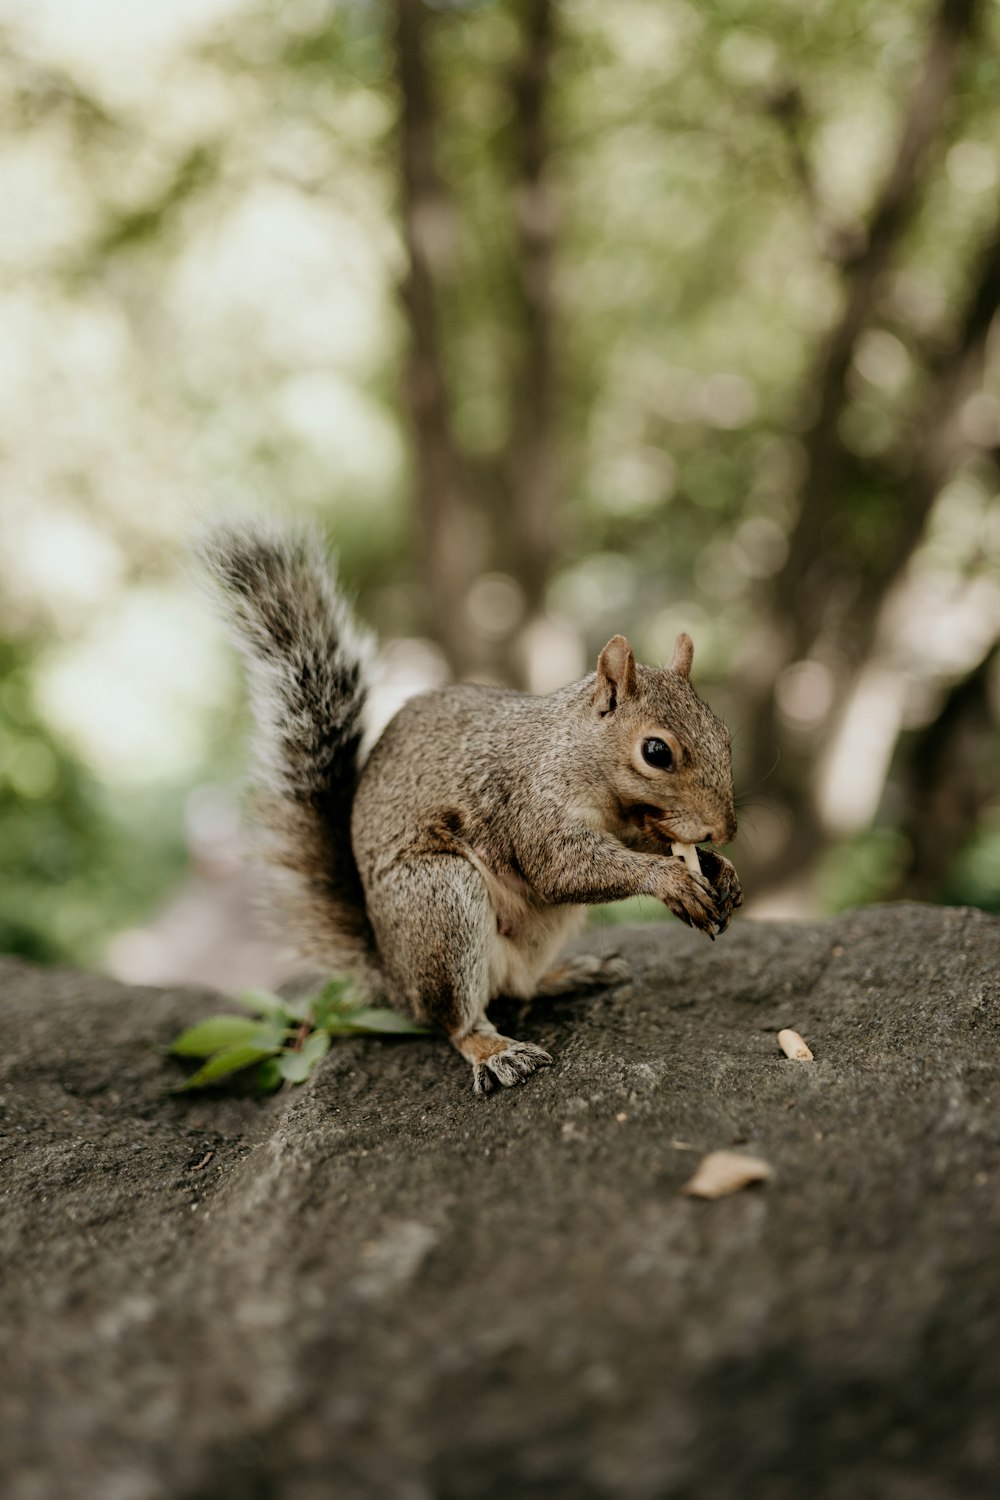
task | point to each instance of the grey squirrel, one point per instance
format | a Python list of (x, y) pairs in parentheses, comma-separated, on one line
[(451, 867)]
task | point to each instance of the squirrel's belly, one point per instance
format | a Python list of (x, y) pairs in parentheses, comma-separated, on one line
[(521, 954)]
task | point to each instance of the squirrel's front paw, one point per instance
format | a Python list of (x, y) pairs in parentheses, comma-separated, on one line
[(690, 897), (722, 877)]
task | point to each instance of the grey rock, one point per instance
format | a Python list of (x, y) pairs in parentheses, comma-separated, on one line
[(378, 1285)]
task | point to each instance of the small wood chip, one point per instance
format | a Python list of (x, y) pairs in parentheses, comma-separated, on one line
[(689, 854), (793, 1046), (722, 1172)]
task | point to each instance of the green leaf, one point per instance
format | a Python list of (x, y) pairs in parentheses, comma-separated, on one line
[(271, 1035), (295, 1066), (269, 1075), (316, 1047), (229, 1060), (214, 1034), (372, 1018), (335, 1002), (262, 1002), (301, 1008), (334, 988), (335, 992)]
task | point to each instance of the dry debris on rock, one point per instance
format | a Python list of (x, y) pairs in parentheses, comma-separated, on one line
[(723, 1172), (794, 1046), (378, 1285)]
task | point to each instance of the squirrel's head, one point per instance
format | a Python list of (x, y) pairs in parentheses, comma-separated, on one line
[(672, 767)]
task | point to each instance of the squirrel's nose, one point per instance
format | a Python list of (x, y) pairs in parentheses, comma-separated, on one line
[(722, 833)]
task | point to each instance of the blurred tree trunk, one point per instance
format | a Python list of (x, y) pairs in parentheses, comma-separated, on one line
[(460, 535), (936, 442), (532, 461), (813, 584), (947, 784), (822, 601), (936, 447), (430, 230)]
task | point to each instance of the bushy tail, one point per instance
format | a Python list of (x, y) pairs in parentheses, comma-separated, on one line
[(306, 663)]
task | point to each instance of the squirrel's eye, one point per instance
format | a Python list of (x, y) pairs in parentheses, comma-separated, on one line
[(657, 753)]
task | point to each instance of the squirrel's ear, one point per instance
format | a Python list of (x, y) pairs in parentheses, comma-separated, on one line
[(680, 662), (615, 675)]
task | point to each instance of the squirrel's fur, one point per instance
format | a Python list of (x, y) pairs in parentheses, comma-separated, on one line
[(307, 666), (453, 865)]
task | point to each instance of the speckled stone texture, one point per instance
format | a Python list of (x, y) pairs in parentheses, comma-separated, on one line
[(380, 1286)]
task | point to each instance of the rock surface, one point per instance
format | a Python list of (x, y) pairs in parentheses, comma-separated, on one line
[(380, 1286)]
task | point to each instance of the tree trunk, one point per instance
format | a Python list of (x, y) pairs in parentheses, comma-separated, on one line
[(820, 594), (443, 500), (814, 579), (949, 784), (532, 456)]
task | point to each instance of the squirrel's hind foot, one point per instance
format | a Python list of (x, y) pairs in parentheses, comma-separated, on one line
[(583, 971), (516, 1062), (499, 1061)]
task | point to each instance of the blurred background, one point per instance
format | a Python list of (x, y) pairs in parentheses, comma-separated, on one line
[(564, 319)]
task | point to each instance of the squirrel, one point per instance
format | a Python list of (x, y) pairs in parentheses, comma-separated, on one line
[(451, 866)]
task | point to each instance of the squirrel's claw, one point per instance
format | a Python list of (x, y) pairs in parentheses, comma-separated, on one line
[(726, 889), (692, 898), (503, 1069)]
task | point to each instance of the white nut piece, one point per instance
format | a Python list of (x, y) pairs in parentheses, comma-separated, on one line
[(722, 1172), (793, 1046), (689, 854)]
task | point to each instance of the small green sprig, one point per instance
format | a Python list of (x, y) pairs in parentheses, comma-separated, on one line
[(283, 1039)]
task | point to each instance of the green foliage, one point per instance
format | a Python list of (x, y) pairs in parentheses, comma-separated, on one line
[(75, 860), (287, 1040), (862, 870), (635, 909), (974, 879), (221, 1032)]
